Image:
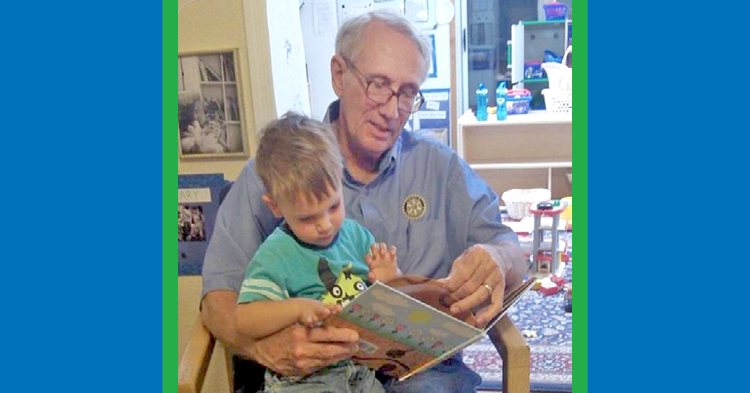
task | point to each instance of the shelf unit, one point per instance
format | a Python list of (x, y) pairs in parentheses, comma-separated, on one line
[(520, 150), (529, 40)]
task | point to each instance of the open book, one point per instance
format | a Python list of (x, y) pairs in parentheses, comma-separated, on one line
[(410, 329)]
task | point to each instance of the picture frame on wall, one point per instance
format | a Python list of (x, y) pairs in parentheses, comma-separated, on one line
[(209, 105)]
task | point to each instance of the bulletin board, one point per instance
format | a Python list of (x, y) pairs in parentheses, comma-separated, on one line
[(198, 198), (434, 118)]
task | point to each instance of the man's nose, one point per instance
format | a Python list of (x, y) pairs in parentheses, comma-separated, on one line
[(390, 108)]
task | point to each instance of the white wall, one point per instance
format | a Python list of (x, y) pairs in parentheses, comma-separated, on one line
[(320, 47), (287, 57)]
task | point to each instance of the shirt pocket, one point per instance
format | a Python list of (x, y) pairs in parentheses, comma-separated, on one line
[(426, 246)]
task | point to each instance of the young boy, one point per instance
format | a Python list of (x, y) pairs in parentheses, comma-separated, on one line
[(316, 260)]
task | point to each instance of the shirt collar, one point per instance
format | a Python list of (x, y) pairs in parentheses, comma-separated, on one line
[(390, 157), (285, 227)]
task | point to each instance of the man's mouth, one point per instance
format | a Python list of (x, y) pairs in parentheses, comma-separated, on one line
[(381, 131)]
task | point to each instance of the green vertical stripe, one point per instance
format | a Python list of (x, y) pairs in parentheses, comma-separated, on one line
[(169, 195), (580, 158)]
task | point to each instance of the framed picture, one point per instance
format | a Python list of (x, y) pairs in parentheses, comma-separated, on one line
[(209, 105)]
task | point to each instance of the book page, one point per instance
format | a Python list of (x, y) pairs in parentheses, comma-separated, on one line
[(401, 335), (399, 317)]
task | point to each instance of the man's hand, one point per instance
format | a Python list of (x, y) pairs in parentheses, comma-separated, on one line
[(295, 350), (480, 274), (300, 351)]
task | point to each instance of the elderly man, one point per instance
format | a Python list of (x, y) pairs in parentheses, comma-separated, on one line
[(409, 191)]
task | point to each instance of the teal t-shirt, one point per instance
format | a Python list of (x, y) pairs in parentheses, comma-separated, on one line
[(283, 267)]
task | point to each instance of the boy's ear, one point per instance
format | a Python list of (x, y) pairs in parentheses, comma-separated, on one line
[(269, 201)]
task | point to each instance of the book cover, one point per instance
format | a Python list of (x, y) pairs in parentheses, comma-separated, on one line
[(406, 327)]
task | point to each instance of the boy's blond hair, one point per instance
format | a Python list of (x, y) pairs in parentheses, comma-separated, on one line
[(298, 156)]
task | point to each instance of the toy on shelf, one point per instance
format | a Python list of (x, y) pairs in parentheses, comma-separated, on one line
[(567, 214)]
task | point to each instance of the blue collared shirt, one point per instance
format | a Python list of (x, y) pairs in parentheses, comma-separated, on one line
[(425, 200)]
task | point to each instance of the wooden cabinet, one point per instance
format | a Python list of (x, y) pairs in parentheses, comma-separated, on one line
[(525, 151)]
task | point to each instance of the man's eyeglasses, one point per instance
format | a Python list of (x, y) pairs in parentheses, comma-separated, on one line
[(379, 91)]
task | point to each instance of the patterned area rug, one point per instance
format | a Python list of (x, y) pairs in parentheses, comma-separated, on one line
[(550, 337)]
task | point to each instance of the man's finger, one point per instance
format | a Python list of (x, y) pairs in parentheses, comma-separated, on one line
[(476, 267), (324, 353), (485, 272), (309, 355), (330, 334), (308, 365), (483, 294), (459, 273), (469, 302), (498, 295)]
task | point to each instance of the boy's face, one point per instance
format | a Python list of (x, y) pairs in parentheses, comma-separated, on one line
[(314, 222)]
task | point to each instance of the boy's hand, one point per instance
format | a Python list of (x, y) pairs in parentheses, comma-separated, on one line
[(314, 312), (382, 262)]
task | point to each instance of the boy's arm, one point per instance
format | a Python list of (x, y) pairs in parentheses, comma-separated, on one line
[(264, 317)]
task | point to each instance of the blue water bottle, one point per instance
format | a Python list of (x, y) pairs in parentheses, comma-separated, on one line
[(482, 103), (501, 95)]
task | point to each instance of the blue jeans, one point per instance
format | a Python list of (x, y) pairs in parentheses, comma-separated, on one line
[(344, 377), (450, 376)]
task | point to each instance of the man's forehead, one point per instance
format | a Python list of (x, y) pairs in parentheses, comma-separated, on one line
[(396, 69), (392, 60), (385, 79)]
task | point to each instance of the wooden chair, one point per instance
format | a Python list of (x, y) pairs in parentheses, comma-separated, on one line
[(508, 341)]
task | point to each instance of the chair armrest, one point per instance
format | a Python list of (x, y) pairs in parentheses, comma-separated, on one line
[(195, 359), (516, 355)]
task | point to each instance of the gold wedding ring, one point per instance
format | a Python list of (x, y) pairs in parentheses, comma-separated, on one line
[(488, 287)]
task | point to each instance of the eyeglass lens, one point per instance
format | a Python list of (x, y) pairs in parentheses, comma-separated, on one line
[(382, 94)]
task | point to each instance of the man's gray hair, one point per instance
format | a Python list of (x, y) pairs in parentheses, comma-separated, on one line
[(349, 37)]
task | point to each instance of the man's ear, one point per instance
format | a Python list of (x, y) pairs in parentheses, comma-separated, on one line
[(269, 201), (338, 67)]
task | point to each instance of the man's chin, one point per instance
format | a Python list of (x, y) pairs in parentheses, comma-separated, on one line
[(377, 146)]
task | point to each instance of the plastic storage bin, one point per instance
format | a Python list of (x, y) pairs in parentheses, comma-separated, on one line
[(518, 101), (555, 11)]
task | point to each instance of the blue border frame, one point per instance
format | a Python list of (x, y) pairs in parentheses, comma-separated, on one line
[(190, 254), (433, 74)]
